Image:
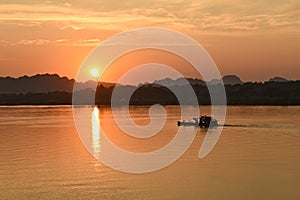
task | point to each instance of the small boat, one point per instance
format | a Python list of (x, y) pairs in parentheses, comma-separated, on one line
[(203, 122)]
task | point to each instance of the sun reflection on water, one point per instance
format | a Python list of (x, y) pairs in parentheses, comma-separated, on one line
[(96, 131)]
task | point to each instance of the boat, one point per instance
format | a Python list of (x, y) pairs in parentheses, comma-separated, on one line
[(202, 122)]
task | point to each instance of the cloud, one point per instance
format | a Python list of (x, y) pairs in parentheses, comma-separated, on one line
[(4, 42), (202, 16), (89, 42), (79, 18), (38, 42), (73, 27), (67, 4), (61, 40), (42, 42)]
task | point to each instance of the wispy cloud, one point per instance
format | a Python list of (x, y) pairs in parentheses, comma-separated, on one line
[(205, 16), (73, 27), (89, 41), (61, 40), (38, 42), (43, 42), (40, 13)]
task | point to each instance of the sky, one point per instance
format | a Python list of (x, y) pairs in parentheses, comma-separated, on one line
[(255, 40)]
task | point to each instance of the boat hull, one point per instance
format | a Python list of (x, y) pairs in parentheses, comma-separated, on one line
[(202, 122)]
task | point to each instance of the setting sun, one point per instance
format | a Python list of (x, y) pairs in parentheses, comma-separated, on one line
[(95, 72)]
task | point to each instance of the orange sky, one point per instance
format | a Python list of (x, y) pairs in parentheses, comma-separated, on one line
[(254, 40)]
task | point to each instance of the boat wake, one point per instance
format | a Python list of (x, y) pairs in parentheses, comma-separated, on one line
[(236, 125), (286, 126)]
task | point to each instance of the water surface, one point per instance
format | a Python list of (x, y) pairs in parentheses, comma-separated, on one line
[(256, 157)]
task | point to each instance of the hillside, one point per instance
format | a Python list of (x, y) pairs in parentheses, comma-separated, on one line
[(42, 83), (54, 90)]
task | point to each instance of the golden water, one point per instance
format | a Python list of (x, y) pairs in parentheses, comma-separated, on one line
[(41, 157)]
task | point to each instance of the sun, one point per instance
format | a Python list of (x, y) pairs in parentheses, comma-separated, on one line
[(95, 72)]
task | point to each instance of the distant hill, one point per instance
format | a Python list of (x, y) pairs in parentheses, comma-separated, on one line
[(37, 83), (54, 83), (51, 89), (227, 80), (232, 80), (41, 83), (278, 80), (167, 82)]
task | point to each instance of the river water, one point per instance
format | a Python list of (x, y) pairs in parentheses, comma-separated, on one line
[(256, 157)]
